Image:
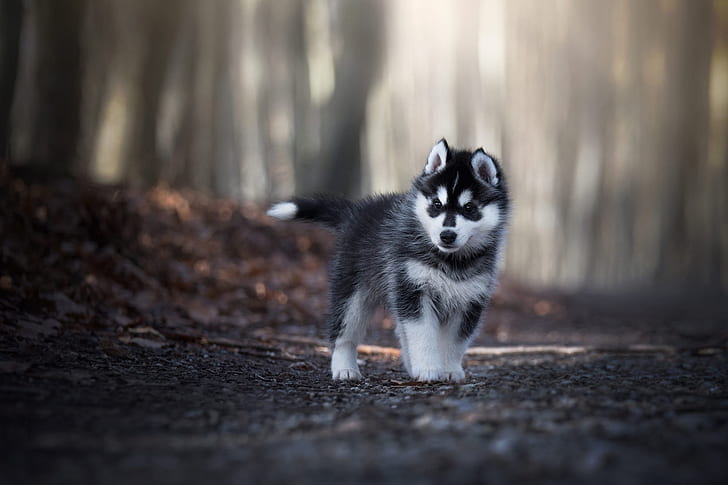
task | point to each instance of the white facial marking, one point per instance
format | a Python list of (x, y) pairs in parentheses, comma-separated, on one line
[(432, 225), (476, 234), (491, 217), (284, 211), (442, 195), (465, 197)]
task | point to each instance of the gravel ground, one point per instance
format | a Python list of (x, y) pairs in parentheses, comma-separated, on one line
[(77, 408)]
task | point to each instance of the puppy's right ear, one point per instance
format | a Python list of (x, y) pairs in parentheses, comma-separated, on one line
[(438, 157)]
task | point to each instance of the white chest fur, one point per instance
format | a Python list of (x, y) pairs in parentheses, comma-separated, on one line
[(452, 293)]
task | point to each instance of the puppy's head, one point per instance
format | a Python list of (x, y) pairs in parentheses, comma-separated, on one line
[(462, 198)]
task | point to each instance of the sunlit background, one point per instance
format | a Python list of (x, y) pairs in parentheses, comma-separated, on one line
[(610, 117)]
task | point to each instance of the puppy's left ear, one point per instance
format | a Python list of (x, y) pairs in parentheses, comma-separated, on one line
[(484, 167)]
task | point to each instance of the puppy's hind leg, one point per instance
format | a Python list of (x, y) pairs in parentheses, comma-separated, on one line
[(347, 327)]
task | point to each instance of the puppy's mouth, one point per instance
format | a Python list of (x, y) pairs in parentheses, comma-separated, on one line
[(448, 248)]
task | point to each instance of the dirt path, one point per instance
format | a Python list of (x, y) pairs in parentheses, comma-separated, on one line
[(166, 338), (78, 410)]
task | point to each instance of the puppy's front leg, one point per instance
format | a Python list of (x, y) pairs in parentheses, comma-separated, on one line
[(455, 336), (423, 345)]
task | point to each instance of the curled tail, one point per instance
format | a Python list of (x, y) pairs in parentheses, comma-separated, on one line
[(329, 211)]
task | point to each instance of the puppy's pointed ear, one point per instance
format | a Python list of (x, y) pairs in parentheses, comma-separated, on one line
[(484, 167), (438, 157)]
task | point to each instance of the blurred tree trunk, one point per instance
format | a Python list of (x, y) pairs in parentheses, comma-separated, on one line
[(185, 169), (716, 202), (203, 77), (359, 32), (684, 249), (158, 25), (225, 150), (309, 31), (55, 86), (11, 13), (274, 94)]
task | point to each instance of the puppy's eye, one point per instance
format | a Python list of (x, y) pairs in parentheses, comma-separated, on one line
[(470, 210), (436, 203)]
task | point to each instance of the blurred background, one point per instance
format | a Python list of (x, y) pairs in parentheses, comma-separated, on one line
[(610, 117)]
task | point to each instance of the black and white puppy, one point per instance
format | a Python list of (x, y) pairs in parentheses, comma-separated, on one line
[(429, 255)]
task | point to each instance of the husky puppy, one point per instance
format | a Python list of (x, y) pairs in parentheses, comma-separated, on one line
[(429, 255)]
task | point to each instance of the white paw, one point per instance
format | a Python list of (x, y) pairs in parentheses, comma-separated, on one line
[(454, 375), (427, 375), (347, 375)]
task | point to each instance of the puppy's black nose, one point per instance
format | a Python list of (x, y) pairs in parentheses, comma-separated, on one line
[(448, 237)]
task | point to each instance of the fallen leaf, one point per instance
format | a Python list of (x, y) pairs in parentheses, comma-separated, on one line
[(142, 342), (709, 351), (410, 383), (145, 330)]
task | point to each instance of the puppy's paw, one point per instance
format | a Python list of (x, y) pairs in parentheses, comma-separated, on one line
[(346, 375), (454, 375), (427, 375)]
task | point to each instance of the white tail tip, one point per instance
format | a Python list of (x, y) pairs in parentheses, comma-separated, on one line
[(284, 211)]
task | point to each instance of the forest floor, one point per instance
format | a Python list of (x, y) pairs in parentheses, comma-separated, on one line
[(167, 337)]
